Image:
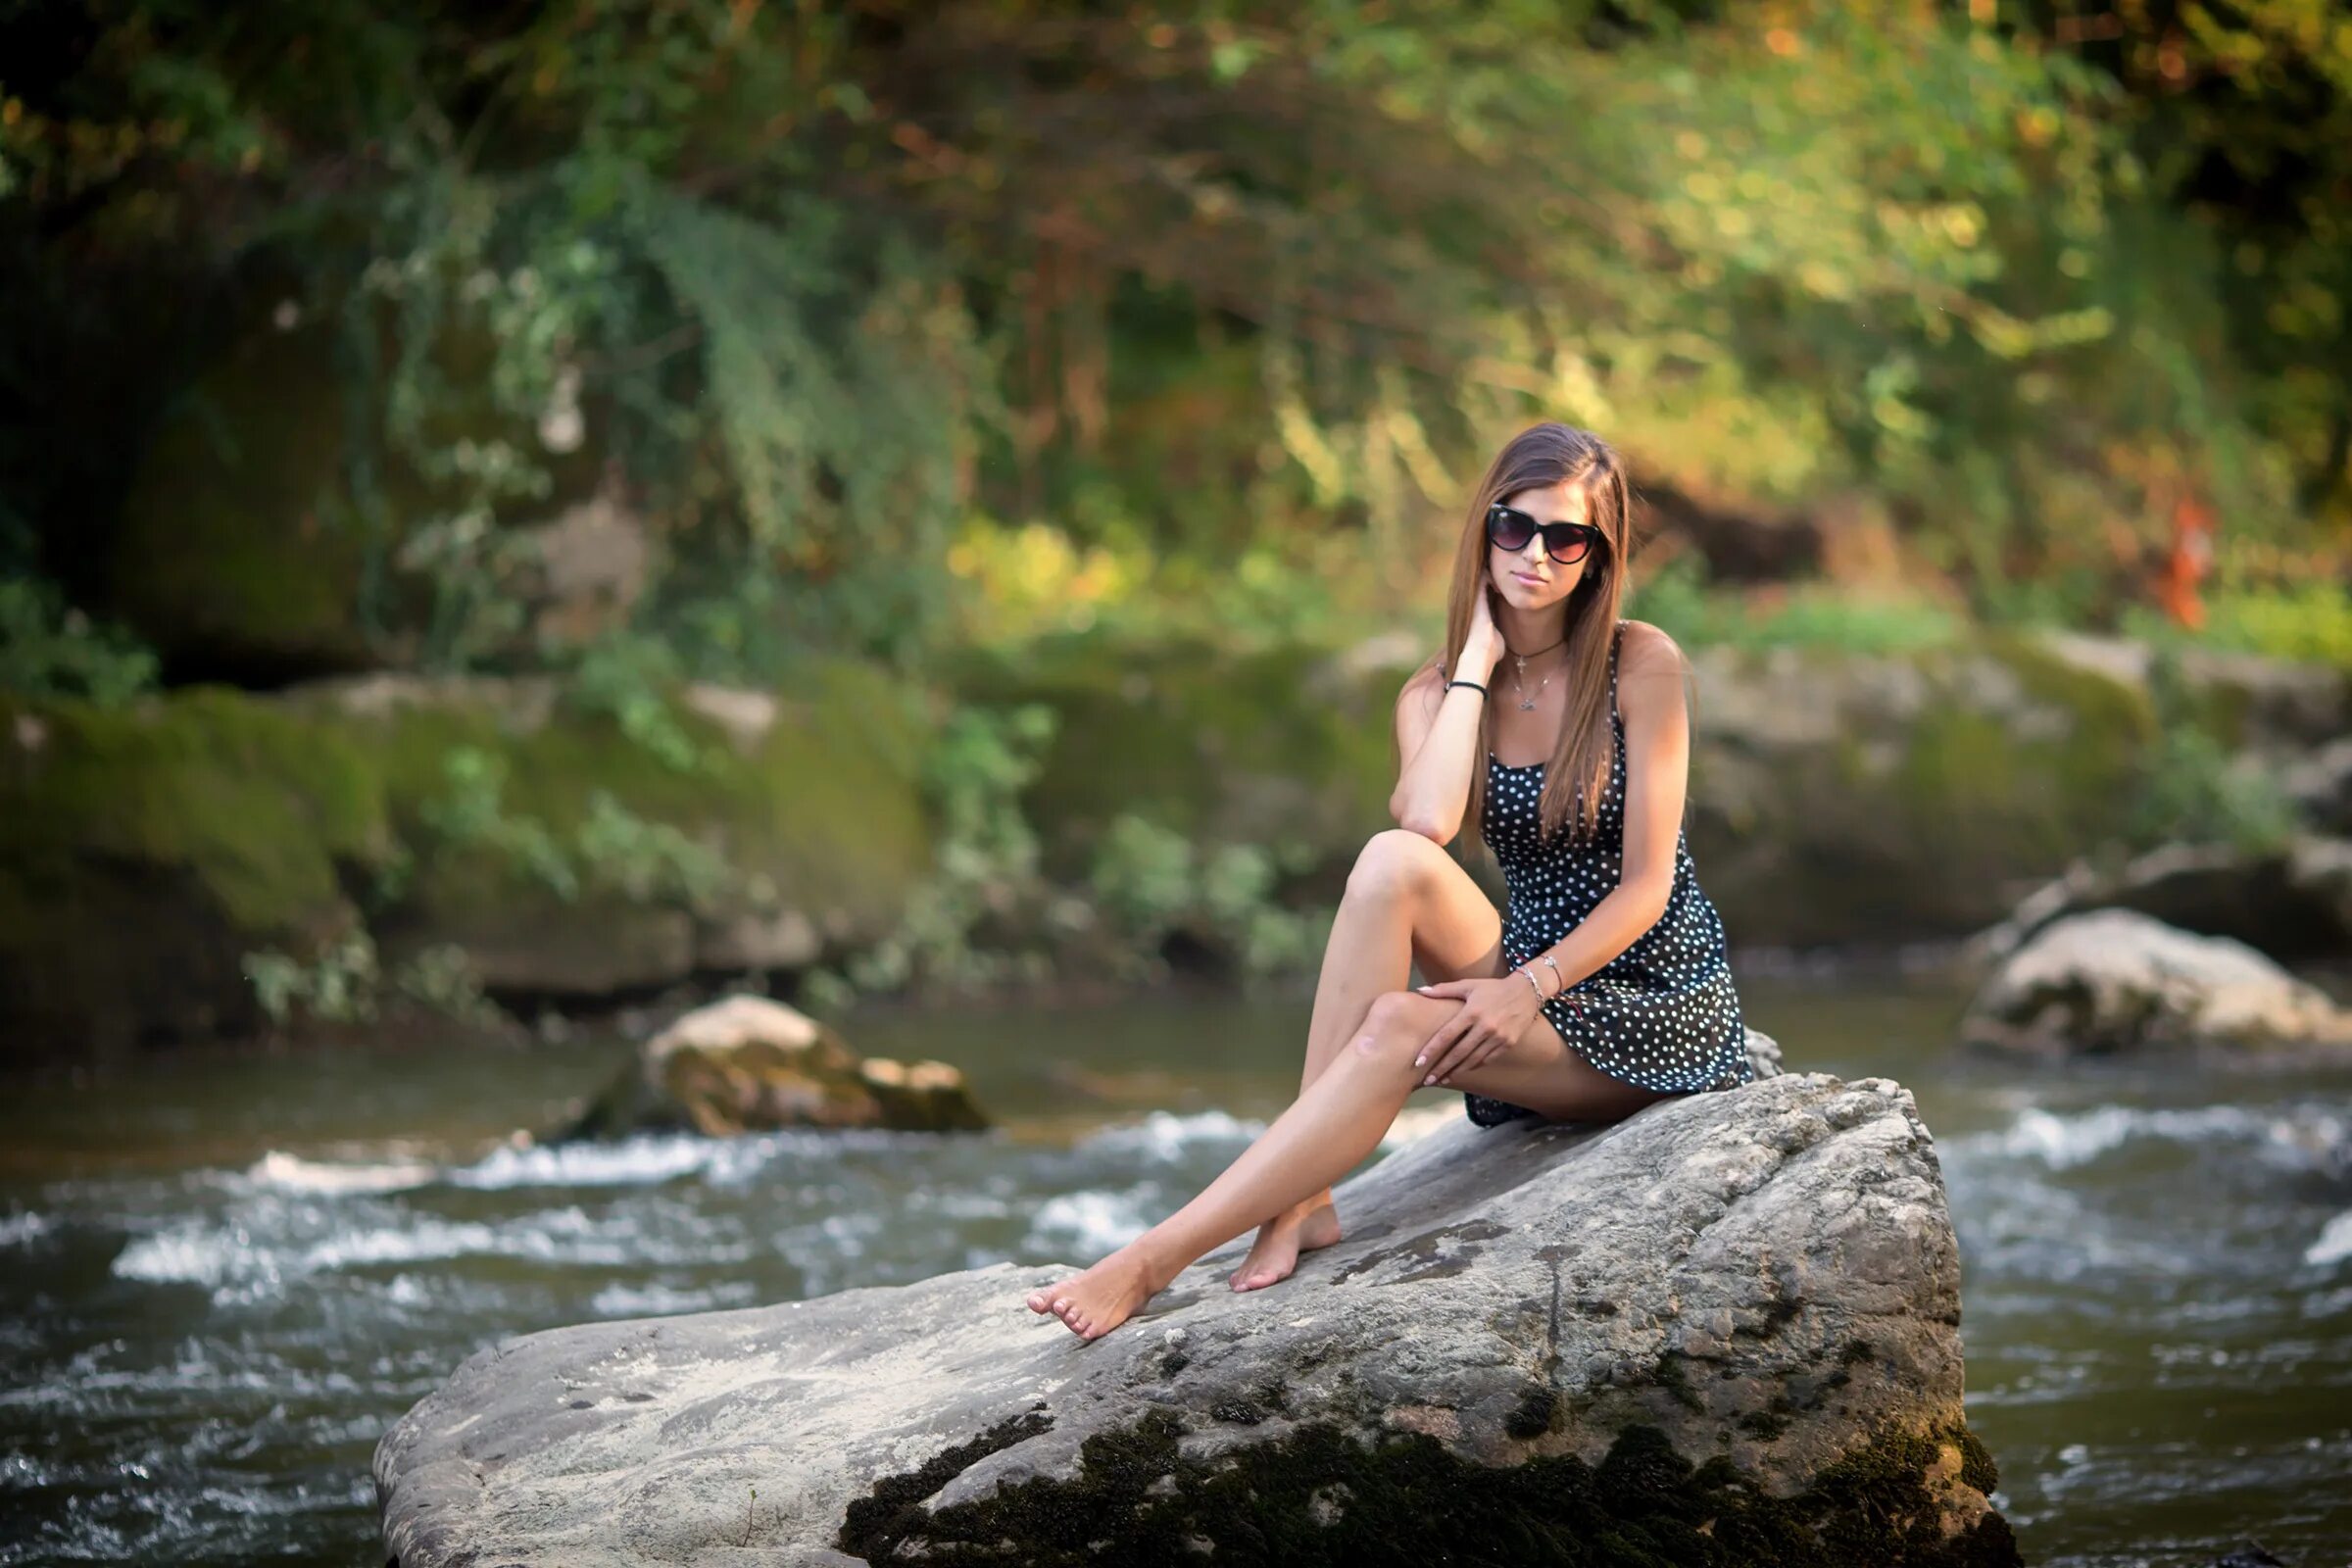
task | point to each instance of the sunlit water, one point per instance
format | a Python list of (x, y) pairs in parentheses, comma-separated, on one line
[(224, 1278)]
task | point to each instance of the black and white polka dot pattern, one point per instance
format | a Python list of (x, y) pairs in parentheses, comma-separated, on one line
[(1663, 1014)]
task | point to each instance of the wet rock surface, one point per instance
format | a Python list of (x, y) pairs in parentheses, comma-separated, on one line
[(1723, 1330)]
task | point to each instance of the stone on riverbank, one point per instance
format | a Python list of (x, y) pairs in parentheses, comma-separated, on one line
[(2116, 979), (1724, 1328), (750, 1065)]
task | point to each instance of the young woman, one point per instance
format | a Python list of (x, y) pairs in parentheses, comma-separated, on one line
[(1604, 985)]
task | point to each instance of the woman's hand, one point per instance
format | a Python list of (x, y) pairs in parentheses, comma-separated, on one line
[(1482, 644), (1495, 1011)]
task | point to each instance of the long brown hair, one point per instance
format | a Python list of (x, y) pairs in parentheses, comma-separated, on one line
[(1577, 774)]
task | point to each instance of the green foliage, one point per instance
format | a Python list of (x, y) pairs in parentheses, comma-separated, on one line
[(441, 979), (2281, 603), (612, 849), (1251, 317), (631, 678), (1152, 882), (986, 865), (2311, 621), (986, 913), (1678, 598), (469, 815), (2196, 790), (346, 984), (833, 376), (48, 649), (646, 861), (2195, 787), (339, 985), (1143, 875)]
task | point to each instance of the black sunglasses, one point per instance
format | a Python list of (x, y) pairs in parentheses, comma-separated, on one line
[(1564, 542)]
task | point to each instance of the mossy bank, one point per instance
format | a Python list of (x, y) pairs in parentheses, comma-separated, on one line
[(147, 852), (1832, 797), (564, 848)]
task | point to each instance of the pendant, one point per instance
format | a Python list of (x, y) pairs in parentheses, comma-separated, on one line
[(1527, 704)]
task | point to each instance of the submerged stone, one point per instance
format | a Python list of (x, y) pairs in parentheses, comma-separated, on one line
[(1722, 1331)]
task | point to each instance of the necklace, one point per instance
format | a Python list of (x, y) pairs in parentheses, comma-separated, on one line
[(1527, 700)]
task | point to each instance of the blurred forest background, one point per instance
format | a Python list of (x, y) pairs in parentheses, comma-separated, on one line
[(430, 434)]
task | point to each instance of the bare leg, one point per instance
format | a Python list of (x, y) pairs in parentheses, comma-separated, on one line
[(1325, 1133), (1398, 878)]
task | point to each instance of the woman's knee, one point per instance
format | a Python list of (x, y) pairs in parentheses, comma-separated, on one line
[(1392, 863), (1395, 1025)]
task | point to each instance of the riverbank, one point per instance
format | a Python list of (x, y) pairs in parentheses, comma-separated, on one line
[(219, 865)]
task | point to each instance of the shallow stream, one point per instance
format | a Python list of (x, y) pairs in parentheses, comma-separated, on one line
[(224, 1277)]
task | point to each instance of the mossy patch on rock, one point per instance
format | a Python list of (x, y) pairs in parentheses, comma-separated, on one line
[(145, 849), (816, 808), (1905, 795), (1316, 1496), (1221, 747)]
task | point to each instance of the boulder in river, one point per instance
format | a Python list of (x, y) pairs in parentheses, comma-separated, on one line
[(2116, 979), (750, 1064), (1724, 1328)]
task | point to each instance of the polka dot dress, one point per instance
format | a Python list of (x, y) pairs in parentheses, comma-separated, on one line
[(1663, 1014)]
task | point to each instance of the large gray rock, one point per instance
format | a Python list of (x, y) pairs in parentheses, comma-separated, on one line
[(2116, 979), (1528, 1340)]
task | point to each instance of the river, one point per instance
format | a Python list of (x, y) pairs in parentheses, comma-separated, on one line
[(224, 1275)]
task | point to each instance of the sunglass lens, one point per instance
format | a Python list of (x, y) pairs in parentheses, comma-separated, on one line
[(1510, 529)]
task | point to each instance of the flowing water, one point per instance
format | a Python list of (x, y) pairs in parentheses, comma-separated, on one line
[(223, 1277)]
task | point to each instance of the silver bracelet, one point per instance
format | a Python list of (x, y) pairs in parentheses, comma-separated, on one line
[(1531, 980)]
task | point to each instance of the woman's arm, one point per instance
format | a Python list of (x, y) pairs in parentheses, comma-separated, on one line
[(1437, 731), (1657, 769)]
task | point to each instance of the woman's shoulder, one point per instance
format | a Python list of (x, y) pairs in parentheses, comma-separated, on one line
[(1421, 695), (1426, 678), (1643, 648)]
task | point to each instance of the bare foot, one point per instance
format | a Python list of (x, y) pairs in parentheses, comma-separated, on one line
[(1099, 1300), (1279, 1242)]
